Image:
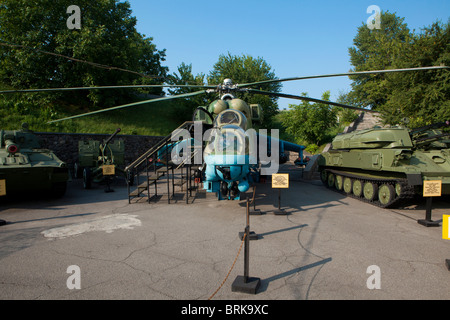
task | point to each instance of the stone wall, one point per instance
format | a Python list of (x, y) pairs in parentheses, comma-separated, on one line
[(65, 145)]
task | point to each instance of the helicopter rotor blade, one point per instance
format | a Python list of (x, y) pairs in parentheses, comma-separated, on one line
[(107, 87), (342, 74), (185, 95), (290, 96)]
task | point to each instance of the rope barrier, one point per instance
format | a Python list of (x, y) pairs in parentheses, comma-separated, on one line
[(232, 266)]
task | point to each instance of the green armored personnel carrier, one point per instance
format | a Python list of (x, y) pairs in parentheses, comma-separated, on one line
[(26, 167), (386, 165)]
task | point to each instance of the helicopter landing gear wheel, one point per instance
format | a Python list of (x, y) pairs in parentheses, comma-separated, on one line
[(331, 180), (386, 193), (348, 184), (357, 188), (370, 191), (224, 189), (339, 182)]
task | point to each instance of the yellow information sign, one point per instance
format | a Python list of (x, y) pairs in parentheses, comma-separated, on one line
[(2, 188), (432, 188), (445, 227), (280, 180), (109, 170)]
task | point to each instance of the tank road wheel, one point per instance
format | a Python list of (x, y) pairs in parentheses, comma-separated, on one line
[(357, 188), (398, 189), (339, 182), (331, 179), (348, 184), (370, 191), (323, 177), (386, 193)]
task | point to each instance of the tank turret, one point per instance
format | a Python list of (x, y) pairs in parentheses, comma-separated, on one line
[(26, 167)]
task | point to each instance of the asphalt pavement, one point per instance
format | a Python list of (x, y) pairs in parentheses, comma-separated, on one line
[(92, 245)]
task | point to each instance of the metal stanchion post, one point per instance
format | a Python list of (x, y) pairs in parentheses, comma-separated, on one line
[(431, 188), (279, 211), (254, 211), (245, 283), (252, 235), (427, 222), (280, 180)]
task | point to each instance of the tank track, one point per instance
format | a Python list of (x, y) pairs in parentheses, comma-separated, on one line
[(403, 192)]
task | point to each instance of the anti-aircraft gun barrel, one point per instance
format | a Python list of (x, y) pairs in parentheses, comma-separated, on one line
[(103, 147), (431, 126), (422, 135), (112, 136), (436, 137)]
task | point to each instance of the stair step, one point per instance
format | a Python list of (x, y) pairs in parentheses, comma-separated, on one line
[(136, 193), (163, 169), (142, 186)]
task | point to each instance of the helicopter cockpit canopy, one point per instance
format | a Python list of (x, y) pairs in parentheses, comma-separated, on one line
[(230, 139), (231, 117)]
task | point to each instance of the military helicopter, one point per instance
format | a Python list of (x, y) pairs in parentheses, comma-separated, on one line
[(229, 173)]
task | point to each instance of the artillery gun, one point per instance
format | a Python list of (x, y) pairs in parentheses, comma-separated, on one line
[(100, 162), (387, 166), (26, 167)]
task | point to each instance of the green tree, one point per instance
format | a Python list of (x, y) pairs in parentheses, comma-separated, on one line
[(246, 69), (185, 107), (421, 96), (377, 49), (310, 123), (346, 115), (107, 37)]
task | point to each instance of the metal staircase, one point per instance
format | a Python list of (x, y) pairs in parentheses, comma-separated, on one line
[(155, 168)]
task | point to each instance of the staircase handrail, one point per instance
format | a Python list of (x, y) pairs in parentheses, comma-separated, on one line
[(155, 148)]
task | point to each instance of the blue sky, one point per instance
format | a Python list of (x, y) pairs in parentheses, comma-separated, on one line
[(297, 38)]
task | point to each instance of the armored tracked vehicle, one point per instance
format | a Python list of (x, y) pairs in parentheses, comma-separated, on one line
[(26, 167), (384, 166)]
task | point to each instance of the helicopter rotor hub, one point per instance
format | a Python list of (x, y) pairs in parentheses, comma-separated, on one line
[(227, 89)]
